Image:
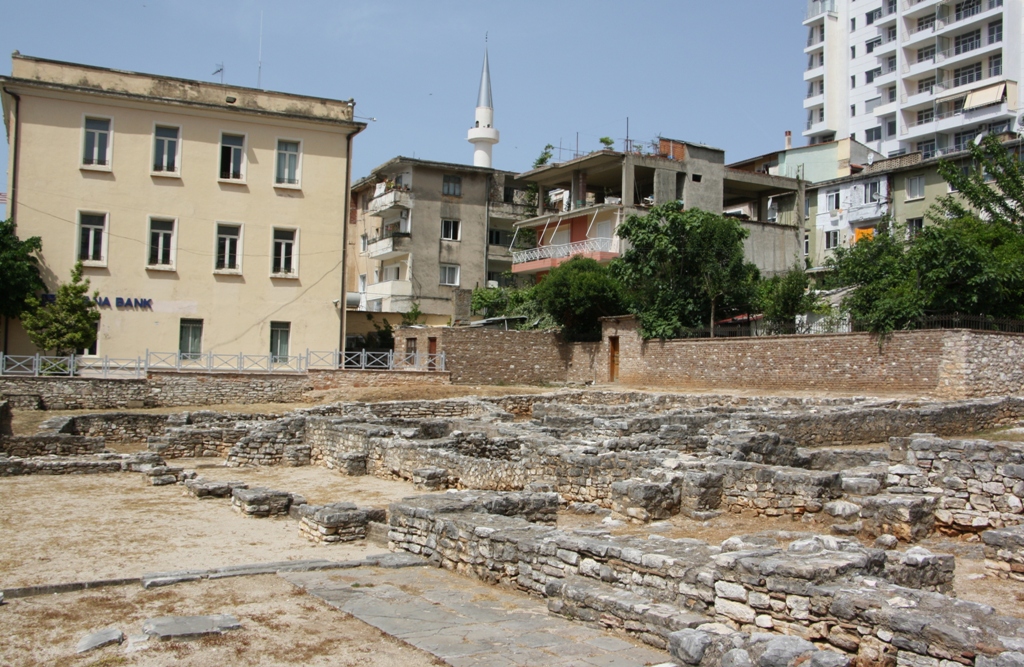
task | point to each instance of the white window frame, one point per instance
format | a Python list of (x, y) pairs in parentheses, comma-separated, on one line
[(104, 239), (297, 185), (873, 188), (277, 327), (829, 196), (174, 243), (364, 243), (109, 166), (177, 152), (216, 248), (910, 190), (444, 270), (362, 283), (295, 252), (832, 239), (384, 274), (458, 230), (245, 160)]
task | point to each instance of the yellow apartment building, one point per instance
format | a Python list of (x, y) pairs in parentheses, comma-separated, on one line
[(209, 218)]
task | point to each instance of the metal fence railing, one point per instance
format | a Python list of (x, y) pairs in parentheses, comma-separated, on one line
[(39, 365)]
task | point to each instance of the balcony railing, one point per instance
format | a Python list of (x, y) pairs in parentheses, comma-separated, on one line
[(397, 196), (563, 250), (816, 7)]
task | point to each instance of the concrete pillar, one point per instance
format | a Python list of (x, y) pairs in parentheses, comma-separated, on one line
[(628, 182), (541, 196)]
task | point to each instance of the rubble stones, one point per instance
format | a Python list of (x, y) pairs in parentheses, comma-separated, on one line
[(99, 640), (261, 502), (202, 488)]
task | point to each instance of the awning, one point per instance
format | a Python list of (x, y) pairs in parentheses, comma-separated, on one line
[(985, 96)]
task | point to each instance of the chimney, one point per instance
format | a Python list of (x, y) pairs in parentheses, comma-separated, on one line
[(789, 140)]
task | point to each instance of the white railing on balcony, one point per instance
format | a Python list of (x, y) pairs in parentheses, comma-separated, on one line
[(563, 250), (816, 7)]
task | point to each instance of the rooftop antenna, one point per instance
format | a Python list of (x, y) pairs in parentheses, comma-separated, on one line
[(219, 70), (259, 68)]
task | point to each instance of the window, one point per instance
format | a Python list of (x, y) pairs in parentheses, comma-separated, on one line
[(890, 33), (165, 150), (92, 239), (497, 237), (284, 252), (873, 134), (450, 230), (927, 148), (925, 116), (926, 22), (190, 339), (280, 332), (853, 81), (832, 200), (872, 74), (229, 239), (853, 110), (873, 16), (807, 205), (890, 64), (232, 157), (995, 32), (890, 128), (961, 139), (831, 239), (364, 243), (97, 142), (926, 85), (389, 273), (853, 24), (287, 163), (967, 8), (968, 74), (161, 243), (872, 104), (452, 186), (410, 347), (873, 44), (915, 187), (853, 52), (892, 93), (967, 41), (807, 244), (874, 192), (995, 65), (450, 274), (362, 283), (914, 226), (926, 53)]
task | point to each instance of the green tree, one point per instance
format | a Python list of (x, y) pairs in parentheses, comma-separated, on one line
[(607, 142), (531, 189), (413, 315), (683, 270), (576, 294), (989, 186), (782, 298), (19, 272), (67, 323), (512, 302)]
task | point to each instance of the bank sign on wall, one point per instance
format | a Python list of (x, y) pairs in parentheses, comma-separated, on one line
[(122, 302)]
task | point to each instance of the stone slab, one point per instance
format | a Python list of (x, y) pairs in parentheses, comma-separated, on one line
[(187, 627), (99, 640)]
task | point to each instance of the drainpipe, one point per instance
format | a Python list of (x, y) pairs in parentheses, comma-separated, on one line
[(12, 197), (343, 304)]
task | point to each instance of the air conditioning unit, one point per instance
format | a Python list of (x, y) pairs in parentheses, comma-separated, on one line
[(492, 284)]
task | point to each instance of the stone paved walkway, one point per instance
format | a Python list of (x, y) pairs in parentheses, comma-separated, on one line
[(468, 623)]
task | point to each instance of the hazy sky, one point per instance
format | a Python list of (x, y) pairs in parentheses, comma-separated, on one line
[(726, 74)]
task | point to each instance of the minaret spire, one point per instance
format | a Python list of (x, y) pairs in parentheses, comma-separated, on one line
[(483, 135)]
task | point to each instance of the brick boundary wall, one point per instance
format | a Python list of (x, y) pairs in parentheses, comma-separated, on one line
[(177, 389), (945, 363)]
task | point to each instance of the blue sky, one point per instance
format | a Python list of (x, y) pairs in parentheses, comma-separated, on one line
[(726, 74)]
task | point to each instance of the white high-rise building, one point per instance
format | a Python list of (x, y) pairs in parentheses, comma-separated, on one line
[(909, 75)]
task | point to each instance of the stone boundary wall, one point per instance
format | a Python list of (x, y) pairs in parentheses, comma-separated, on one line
[(189, 388), (26, 446), (947, 363)]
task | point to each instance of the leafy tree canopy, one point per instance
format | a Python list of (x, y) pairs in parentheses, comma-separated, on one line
[(781, 298), (19, 270), (576, 294), (989, 186), (683, 269), (66, 324)]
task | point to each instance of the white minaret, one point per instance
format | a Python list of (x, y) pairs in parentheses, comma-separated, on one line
[(483, 135)]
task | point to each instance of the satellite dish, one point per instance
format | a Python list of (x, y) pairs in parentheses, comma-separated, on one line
[(977, 139), (1020, 123)]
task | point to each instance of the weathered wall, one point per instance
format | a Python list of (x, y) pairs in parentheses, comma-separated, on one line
[(490, 356), (341, 379)]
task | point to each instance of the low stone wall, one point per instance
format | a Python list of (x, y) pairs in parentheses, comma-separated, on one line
[(25, 446), (117, 427), (345, 379), (868, 603), (337, 522), (1004, 552), (978, 484), (143, 462), (60, 393), (6, 418), (774, 490), (271, 443)]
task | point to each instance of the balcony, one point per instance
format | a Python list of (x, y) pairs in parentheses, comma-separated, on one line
[(393, 245), (965, 51), (979, 14), (816, 8), (545, 258), (815, 100), (395, 198), (389, 289)]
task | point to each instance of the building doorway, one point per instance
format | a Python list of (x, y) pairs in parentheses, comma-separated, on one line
[(431, 353), (613, 358)]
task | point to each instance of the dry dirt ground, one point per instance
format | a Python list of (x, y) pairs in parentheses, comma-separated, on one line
[(281, 625)]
